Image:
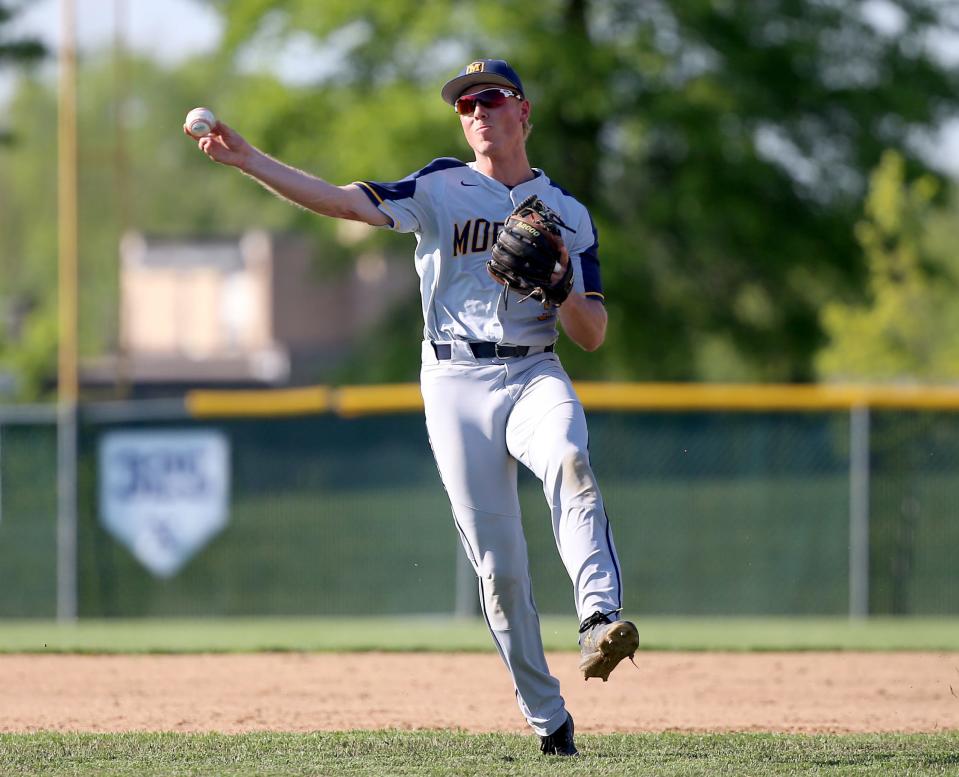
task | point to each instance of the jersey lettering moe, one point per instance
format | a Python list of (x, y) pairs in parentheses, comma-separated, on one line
[(456, 213)]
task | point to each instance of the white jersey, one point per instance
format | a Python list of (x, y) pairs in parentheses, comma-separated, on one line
[(456, 212), (486, 413)]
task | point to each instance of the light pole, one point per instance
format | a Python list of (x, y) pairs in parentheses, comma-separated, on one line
[(120, 179), (67, 377)]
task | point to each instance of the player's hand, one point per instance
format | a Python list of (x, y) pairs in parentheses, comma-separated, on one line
[(225, 145), (563, 264)]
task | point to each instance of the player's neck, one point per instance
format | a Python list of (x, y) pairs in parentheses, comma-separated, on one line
[(511, 170)]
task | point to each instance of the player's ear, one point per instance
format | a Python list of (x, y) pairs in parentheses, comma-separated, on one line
[(525, 109)]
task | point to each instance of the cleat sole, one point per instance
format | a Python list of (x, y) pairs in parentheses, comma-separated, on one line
[(620, 641)]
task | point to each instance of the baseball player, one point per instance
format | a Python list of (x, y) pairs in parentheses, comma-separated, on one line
[(495, 392)]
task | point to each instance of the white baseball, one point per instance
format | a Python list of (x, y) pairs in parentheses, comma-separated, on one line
[(200, 121)]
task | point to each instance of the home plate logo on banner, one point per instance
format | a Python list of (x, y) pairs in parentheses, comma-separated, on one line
[(164, 494)]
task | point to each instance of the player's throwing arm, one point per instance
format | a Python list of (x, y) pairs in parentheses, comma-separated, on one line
[(225, 145)]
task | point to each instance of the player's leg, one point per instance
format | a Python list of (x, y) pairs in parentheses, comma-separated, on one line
[(547, 432), (466, 419)]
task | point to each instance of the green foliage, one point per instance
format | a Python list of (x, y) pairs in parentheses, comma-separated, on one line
[(137, 171), (29, 356), (722, 147), (430, 752), (26, 362), (909, 326), (15, 52)]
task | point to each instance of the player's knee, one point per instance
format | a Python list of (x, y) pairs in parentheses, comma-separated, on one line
[(501, 583), (505, 586), (498, 579), (576, 471), (504, 595)]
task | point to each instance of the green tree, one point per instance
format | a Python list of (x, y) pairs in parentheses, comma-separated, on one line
[(152, 179), (27, 343), (908, 328), (15, 52), (724, 148)]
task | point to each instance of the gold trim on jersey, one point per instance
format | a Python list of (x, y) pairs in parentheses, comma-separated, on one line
[(370, 189)]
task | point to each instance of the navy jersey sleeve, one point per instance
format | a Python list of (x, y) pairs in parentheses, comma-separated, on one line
[(406, 202), (585, 250), (398, 201)]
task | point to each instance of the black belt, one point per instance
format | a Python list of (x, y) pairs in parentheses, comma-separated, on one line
[(487, 350)]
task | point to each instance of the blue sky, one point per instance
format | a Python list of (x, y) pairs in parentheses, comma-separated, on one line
[(170, 31), (167, 29)]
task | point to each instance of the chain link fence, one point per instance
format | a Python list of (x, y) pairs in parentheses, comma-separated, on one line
[(713, 512)]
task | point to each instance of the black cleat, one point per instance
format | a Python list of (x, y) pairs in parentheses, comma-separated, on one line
[(560, 742)]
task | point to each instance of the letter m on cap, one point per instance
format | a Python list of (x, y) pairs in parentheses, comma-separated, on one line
[(476, 67)]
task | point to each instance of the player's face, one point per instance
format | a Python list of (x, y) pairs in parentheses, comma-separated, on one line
[(492, 122)]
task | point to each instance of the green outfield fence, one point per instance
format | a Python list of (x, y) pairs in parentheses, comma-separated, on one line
[(733, 500)]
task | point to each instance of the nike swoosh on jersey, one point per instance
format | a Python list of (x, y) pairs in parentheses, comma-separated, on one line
[(463, 183)]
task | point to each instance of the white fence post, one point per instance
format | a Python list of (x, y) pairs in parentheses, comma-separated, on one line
[(67, 512), (859, 421)]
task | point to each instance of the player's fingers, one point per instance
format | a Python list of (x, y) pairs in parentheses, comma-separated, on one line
[(229, 135), (561, 265), (214, 147)]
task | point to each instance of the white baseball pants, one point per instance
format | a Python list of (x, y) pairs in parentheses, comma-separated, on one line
[(482, 416)]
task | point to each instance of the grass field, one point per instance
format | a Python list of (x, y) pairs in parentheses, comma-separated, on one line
[(379, 753), (232, 635), (430, 752)]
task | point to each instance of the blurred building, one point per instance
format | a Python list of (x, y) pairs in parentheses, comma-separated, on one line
[(239, 312)]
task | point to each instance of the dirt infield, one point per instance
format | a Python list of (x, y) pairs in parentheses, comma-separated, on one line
[(786, 692)]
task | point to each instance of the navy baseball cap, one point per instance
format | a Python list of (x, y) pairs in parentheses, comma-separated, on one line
[(481, 71)]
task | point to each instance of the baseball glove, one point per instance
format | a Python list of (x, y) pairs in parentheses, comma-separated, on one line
[(527, 253)]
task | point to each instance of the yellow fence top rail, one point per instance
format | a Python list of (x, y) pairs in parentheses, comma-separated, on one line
[(366, 400), (762, 397), (352, 401), (258, 403)]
